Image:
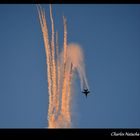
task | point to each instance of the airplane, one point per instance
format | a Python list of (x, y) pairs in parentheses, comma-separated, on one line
[(86, 92)]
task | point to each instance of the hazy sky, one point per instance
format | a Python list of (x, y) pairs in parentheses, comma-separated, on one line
[(110, 38)]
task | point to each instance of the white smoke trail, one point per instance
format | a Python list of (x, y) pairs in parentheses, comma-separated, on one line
[(76, 57)]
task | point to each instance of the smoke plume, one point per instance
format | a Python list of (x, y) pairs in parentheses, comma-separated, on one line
[(60, 71)]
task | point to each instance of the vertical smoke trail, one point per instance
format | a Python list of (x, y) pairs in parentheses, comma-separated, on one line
[(65, 99), (58, 74), (66, 77), (53, 62), (65, 40), (69, 96), (63, 106), (48, 56)]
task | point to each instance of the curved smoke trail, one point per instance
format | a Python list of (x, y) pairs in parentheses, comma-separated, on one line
[(60, 75), (76, 57)]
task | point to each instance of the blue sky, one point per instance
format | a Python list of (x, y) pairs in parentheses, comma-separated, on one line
[(110, 38)]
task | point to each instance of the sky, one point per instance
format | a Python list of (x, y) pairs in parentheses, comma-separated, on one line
[(109, 35)]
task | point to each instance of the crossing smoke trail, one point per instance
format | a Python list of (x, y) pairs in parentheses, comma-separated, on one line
[(60, 71)]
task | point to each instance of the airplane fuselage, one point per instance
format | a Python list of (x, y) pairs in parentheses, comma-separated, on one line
[(86, 92)]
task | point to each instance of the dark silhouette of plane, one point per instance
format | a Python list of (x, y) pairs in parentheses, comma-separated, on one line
[(86, 92)]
